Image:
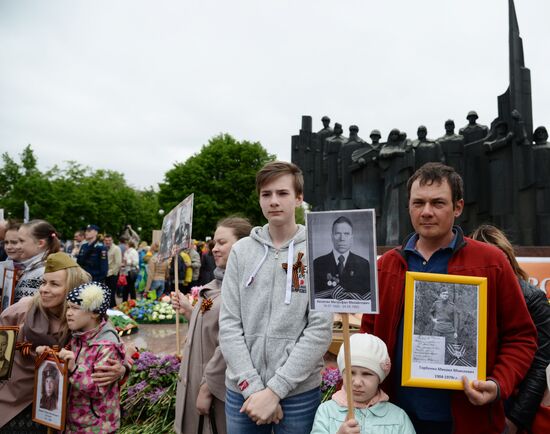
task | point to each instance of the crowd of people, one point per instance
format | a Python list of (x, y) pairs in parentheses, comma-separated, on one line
[(254, 350)]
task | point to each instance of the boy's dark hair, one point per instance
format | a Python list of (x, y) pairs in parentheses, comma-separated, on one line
[(437, 172), (275, 169)]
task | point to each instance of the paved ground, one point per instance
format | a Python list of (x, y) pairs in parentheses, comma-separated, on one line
[(157, 338)]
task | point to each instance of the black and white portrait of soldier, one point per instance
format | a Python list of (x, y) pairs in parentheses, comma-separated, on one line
[(340, 273), (341, 261)]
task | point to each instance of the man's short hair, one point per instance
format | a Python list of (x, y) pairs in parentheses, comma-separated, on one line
[(437, 172), (5, 334), (275, 169), (342, 219)]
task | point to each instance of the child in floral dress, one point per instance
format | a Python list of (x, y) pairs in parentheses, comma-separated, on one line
[(91, 408)]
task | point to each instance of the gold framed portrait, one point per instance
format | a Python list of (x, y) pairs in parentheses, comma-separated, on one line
[(445, 330)]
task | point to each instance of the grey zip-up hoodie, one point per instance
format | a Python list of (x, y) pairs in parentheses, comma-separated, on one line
[(268, 335)]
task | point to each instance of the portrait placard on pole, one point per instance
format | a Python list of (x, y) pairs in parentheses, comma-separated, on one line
[(176, 235), (342, 261), (176, 229)]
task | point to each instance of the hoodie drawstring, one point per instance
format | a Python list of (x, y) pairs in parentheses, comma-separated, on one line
[(290, 261), (251, 278)]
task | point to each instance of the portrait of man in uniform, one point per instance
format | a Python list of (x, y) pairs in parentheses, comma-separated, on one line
[(343, 257)]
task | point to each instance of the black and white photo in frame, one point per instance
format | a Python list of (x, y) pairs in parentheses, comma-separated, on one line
[(342, 261)]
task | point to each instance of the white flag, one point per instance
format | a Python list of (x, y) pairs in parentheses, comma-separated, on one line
[(25, 212)]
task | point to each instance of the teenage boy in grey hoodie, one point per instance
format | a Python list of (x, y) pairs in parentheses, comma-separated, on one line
[(272, 343)]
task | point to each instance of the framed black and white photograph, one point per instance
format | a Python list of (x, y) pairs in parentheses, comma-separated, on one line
[(176, 229), (8, 288), (184, 220), (167, 235), (8, 339), (50, 393), (342, 261), (444, 330)]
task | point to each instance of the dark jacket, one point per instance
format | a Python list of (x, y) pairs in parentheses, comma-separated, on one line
[(93, 258), (511, 335), (521, 408), (355, 278)]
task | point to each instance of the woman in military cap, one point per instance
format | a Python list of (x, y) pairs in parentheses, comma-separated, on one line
[(42, 321)]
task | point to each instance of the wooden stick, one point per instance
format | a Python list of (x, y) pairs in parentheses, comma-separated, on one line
[(347, 370), (177, 288)]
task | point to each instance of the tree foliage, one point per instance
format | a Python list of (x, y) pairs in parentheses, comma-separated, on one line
[(74, 196), (222, 177)]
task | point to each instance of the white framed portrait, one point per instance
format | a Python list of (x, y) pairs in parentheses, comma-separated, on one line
[(342, 261)]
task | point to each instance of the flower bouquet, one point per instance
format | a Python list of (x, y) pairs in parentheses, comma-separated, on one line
[(126, 306), (330, 380), (149, 396), (148, 311)]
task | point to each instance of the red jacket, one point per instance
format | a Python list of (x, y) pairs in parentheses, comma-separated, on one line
[(511, 335)]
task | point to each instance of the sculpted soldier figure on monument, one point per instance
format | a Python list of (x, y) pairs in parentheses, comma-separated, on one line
[(510, 178), (397, 164), (426, 150), (321, 169), (367, 185), (452, 146), (473, 131), (541, 152), (332, 151), (476, 170), (348, 148), (326, 131)]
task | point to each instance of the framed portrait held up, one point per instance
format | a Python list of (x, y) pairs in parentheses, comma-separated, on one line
[(50, 393), (8, 288), (176, 229), (8, 339), (445, 330), (341, 256)]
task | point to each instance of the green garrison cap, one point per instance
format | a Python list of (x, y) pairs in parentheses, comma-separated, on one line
[(59, 261)]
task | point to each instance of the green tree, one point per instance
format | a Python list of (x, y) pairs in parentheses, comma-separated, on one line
[(74, 196), (222, 177)]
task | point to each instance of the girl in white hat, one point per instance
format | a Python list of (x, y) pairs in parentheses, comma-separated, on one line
[(370, 364)]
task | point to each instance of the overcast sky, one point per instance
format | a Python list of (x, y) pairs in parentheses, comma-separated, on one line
[(138, 85)]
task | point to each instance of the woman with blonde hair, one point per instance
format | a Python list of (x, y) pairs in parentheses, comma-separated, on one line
[(42, 321), (200, 397), (522, 408)]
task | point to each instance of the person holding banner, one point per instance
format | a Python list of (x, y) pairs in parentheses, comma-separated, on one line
[(370, 364), (272, 342), (438, 246), (201, 385)]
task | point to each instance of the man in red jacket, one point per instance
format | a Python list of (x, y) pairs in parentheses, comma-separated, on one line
[(437, 246)]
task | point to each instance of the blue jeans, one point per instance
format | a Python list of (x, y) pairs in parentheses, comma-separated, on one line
[(158, 286), (298, 414)]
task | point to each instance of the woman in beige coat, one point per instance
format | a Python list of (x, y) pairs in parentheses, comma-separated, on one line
[(41, 321), (201, 385)]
